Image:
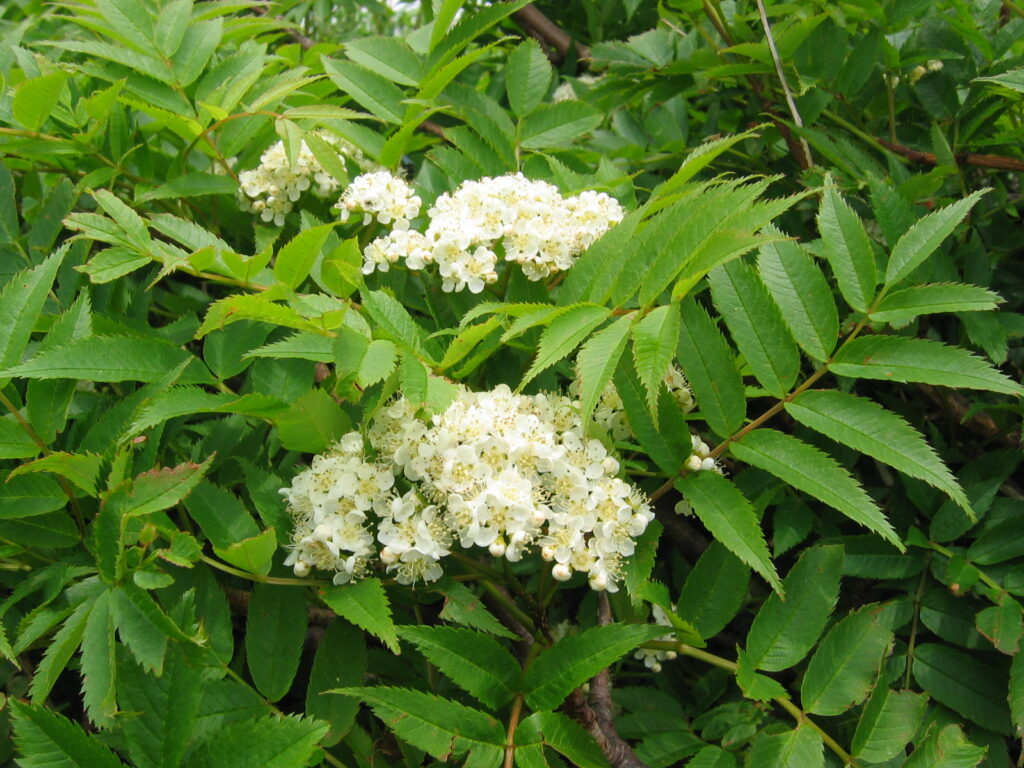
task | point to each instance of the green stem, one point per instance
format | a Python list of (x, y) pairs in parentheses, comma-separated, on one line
[(913, 627), (260, 578), (987, 580), (722, 663), (513, 723), (1012, 7)]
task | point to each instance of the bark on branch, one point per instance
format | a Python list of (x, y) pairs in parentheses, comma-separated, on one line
[(555, 39), (596, 714), (962, 158)]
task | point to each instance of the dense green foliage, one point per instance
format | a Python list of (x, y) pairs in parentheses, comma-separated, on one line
[(835, 573)]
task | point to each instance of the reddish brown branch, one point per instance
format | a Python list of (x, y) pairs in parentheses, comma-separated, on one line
[(980, 423), (618, 752), (962, 158), (557, 40)]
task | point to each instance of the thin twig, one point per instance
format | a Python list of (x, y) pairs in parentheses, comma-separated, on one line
[(808, 161)]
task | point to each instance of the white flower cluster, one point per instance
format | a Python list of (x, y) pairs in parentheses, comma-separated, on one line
[(528, 221), (497, 470), (651, 658), (275, 185), (383, 196), (610, 413)]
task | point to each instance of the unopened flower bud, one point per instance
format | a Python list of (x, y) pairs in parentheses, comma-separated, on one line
[(301, 568), (561, 572), (497, 548), (693, 463)]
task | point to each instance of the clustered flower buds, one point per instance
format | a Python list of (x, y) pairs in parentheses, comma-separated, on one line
[(275, 185), (700, 460), (495, 470), (651, 658), (529, 222)]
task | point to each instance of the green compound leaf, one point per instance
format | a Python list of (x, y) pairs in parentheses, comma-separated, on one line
[(21, 303), (1016, 697), (710, 367), (379, 95), (340, 660), (575, 659), (191, 185), (273, 741), (463, 606), (655, 338), (441, 727), (35, 99), (251, 306), (527, 77), (558, 123), (81, 469), (869, 428), (365, 604), (30, 496), (111, 358), (59, 651), (784, 631), (805, 467), (395, 321), (275, 631), (562, 734), (965, 684), (730, 518), (46, 740), (658, 445), (848, 249), (805, 300), (842, 670), (163, 709), (756, 326), (714, 591), (925, 236), (566, 332), (143, 626), (889, 720), (296, 259), (474, 661), (699, 159), (801, 747), (597, 361), (301, 346), (98, 664), (901, 306), (946, 748), (896, 358)]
